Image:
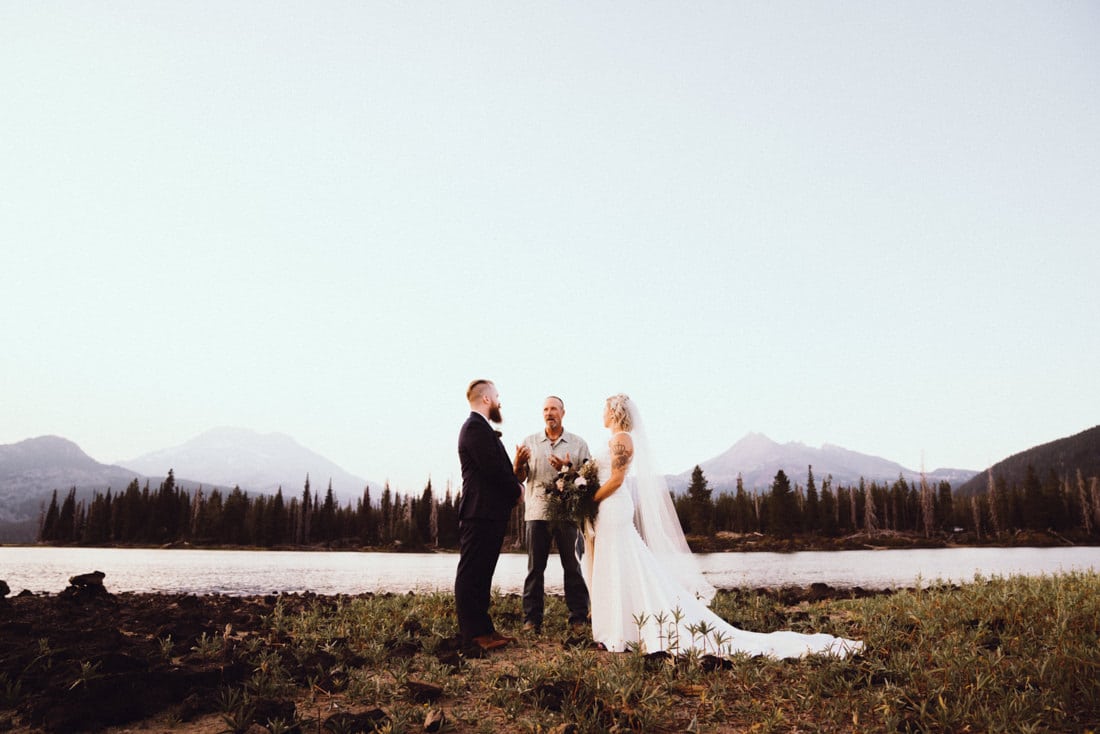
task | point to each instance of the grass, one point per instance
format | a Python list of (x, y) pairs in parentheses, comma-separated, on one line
[(1016, 654)]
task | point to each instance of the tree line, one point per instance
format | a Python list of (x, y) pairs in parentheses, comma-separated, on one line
[(1059, 503), (169, 514)]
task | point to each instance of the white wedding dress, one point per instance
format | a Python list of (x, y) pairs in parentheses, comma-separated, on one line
[(639, 600)]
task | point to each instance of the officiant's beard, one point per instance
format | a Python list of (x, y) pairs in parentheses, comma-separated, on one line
[(494, 414)]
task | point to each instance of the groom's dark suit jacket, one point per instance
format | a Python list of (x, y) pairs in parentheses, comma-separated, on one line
[(489, 487)]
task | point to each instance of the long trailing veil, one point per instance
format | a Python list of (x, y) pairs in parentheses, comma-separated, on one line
[(655, 515)]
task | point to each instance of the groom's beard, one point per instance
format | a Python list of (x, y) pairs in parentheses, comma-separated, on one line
[(494, 414)]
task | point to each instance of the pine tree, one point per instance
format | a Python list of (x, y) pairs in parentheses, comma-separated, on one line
[(945, 509), (852, 506), (1034, 511), (326, 530), (47, 531), (830, 510), (1054, 502), (233, 518), (812, 514), (98, 529), (66, 518), (305, 532), (744, 516), (275, 529), (385, 516), (701, 508), (366, 519), (927, 505), (782, 508)]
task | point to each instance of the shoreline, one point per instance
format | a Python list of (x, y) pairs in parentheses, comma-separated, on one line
[(722, 542)]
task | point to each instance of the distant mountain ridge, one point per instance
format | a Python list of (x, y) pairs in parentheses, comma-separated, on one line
[(757, 459), (29, 472), (258, 462), (1064, 456)]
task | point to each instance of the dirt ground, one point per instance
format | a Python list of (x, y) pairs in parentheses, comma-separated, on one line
[(89, 660)]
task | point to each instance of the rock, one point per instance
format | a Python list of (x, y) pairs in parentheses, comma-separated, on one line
[(4, 588), (657, 660), (266, 710), (95, 578), (551, 696), (422, 692), (452, 660), (434, 720), (400, 650), (711, 663)]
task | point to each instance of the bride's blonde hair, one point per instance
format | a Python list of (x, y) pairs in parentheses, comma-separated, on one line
[(620, 411)]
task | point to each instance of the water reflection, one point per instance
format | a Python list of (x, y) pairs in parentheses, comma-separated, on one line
[(263, 572)]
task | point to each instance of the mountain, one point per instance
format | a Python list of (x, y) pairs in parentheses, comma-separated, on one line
[(1064, 455), (32, 469), (757, 459), (253, 461)]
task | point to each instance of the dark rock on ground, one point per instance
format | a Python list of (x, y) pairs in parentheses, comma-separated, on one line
[(422, 692), (95, 578)]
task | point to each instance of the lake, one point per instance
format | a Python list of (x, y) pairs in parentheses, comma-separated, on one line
[(263, 572)]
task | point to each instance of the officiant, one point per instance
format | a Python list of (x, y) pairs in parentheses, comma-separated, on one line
[(538, 460)]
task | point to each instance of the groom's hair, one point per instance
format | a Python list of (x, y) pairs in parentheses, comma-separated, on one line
[(476, 388)]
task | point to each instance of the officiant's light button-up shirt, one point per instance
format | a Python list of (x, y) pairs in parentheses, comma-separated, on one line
[(540, 472)]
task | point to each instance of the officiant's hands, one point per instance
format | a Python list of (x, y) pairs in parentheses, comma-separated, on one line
[(520, 466), (558, 463)]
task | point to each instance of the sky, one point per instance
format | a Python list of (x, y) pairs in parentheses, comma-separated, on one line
[(873, 225)]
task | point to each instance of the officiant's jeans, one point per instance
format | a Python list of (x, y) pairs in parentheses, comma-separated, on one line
[(539, 533)]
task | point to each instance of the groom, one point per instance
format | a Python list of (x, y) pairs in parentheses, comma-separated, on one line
[(489, 492)]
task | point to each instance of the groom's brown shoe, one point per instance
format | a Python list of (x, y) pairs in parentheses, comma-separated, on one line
[(507, 640), (490, 641)]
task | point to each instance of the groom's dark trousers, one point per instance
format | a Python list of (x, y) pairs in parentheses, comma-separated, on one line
[(489, 492)]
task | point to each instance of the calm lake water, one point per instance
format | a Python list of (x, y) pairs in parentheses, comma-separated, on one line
[(263, 572)]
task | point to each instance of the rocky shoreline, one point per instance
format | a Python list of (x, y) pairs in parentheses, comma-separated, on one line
[(724, 542)]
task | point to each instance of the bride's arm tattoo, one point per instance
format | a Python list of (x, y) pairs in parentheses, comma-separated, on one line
[(620, 455)]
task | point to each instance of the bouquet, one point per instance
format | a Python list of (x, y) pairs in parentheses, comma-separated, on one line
[(571, 496)]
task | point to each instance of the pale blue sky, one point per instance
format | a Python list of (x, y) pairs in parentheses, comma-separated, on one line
[(862, 223)]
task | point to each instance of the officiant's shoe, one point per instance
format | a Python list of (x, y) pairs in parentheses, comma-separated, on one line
[(530, 628), (491, 641)]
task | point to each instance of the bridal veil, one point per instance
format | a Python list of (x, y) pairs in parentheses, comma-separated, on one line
[(655, 514)]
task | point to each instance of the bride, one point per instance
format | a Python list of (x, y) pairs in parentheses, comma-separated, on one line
[(646, 588)]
